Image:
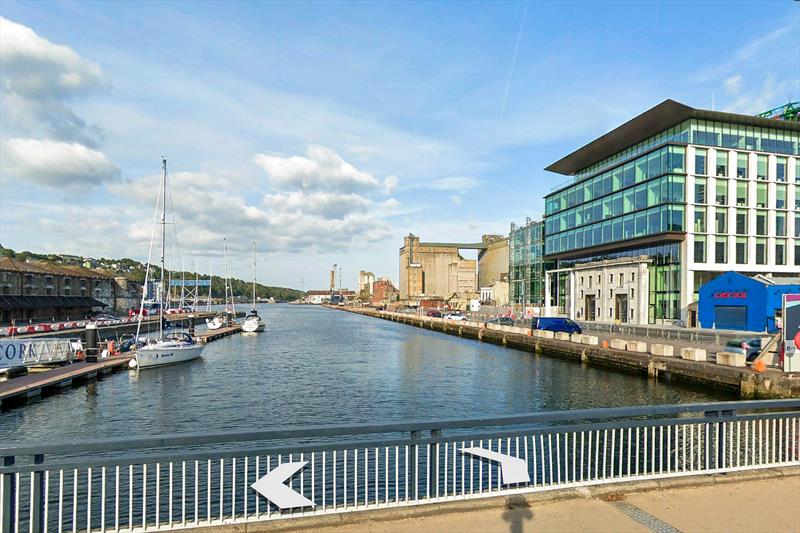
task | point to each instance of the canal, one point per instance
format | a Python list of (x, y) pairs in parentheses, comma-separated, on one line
[(315, 365)]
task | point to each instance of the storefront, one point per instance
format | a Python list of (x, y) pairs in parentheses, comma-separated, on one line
[(739, 302)]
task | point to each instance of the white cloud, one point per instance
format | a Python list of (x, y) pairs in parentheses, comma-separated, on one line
[(733, 85), (455, 183), (762, 97), (390, 185), (456, 199), (39, 77), (751, 48), (322, 168), (326, 204), (56, 164)]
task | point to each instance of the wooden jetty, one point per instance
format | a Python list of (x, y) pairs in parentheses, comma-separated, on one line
[(32, 385), (211, 335)]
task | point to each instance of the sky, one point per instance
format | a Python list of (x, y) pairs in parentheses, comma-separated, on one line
[(328, 131)]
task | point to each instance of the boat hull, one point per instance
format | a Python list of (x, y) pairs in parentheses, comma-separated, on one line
[(213, 324), (253, 326), (153, 356)]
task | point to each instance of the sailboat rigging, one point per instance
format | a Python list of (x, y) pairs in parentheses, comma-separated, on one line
[(252, 322)]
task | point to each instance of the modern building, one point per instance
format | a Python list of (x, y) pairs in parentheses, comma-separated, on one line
[(698, 192), (365, 281), (318, 297), (526, 264), (39, 291), (437, 269), (735, 301)]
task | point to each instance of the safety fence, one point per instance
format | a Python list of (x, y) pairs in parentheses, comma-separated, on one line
[(178, 481)]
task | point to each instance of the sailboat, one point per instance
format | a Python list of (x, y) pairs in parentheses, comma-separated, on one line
[(220, 319), (167, 348), (252, 322)]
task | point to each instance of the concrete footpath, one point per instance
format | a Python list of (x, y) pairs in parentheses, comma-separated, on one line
[(747, 502)]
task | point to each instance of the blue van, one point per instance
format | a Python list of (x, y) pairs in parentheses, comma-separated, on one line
[(564, 325)]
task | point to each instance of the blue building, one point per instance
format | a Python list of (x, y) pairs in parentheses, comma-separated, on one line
[(735, 301)]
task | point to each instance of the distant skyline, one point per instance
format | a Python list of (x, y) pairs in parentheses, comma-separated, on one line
[(327, 131)]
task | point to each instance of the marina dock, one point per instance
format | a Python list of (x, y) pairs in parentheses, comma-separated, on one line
[(215, 334), (33, 385)]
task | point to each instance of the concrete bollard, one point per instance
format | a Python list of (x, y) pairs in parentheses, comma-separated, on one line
[(91, 343), (731, 359), (561, 336), (591, 340), (636, 346), (545, 334), (577, 338), (662, 350), (693, 354), (618, 344)]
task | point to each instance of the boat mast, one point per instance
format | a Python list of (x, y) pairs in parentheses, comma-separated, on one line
[(254, 275), (210, 278), (163, 243)]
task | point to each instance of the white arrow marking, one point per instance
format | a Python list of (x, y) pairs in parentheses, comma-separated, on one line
[(513, 469), (272, 487)]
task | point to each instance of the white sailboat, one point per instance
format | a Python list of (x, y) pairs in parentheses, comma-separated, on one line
[(252, 322), (220, 319), (172, 348)]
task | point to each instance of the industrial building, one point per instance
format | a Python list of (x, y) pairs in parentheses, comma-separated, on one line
[(697, 192), (735, 301), (38, 291), (437, 269)]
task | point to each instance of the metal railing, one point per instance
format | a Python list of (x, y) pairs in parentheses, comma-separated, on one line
[(702, 336), (178, 481)]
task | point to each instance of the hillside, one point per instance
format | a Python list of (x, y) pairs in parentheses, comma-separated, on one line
[(135, 271)]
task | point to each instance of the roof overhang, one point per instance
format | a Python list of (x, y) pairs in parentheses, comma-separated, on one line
[(661, 238), (655, 120)]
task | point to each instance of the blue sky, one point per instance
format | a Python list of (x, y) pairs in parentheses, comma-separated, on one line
[(327, 131)]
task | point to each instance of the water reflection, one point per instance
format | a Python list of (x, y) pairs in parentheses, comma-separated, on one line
[(315, 365)]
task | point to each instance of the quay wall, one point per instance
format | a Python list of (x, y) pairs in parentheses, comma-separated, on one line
[(748, 383)]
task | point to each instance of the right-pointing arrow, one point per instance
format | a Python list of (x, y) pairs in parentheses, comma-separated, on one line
[(272, 487), (513, 469)]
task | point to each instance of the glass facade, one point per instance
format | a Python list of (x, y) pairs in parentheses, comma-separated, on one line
[(642, 191), (526, 264)]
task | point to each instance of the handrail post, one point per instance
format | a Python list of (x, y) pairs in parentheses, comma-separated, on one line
[(412, 465), (37, 496), (9, 488), (719, 442), (433, 475)]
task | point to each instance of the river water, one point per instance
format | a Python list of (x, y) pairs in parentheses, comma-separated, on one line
[(320, 366)]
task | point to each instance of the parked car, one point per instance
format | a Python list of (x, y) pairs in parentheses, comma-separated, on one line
[(435, 313), (564, 325), (454, 316), (500, 321), (750, 347), (103, 316)]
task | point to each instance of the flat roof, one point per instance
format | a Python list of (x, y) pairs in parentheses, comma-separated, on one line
[(655, 120)]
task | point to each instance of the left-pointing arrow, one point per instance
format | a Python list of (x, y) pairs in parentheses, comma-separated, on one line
[(272, 487)]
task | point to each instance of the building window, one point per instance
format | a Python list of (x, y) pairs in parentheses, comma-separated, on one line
[(633, 276), (610, 293), (780, 252), (741, 250), (722, 163), (780, 224), (741, 222), (761, 222), (780, 196), (611, 278), (632, 293), (761, 251), (700, 190), (721, 221), (741, 166), (741, 193), (722, 192), (797, 197), (797, 253), (699, 249), (720, 250), (581, 280), (797, 226), (700, 161), (700, 219), (761, 167), (761, 195), (610, 312), (780, 169)]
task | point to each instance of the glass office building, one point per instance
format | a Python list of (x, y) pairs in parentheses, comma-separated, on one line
[(699, 192), (526, 263)]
